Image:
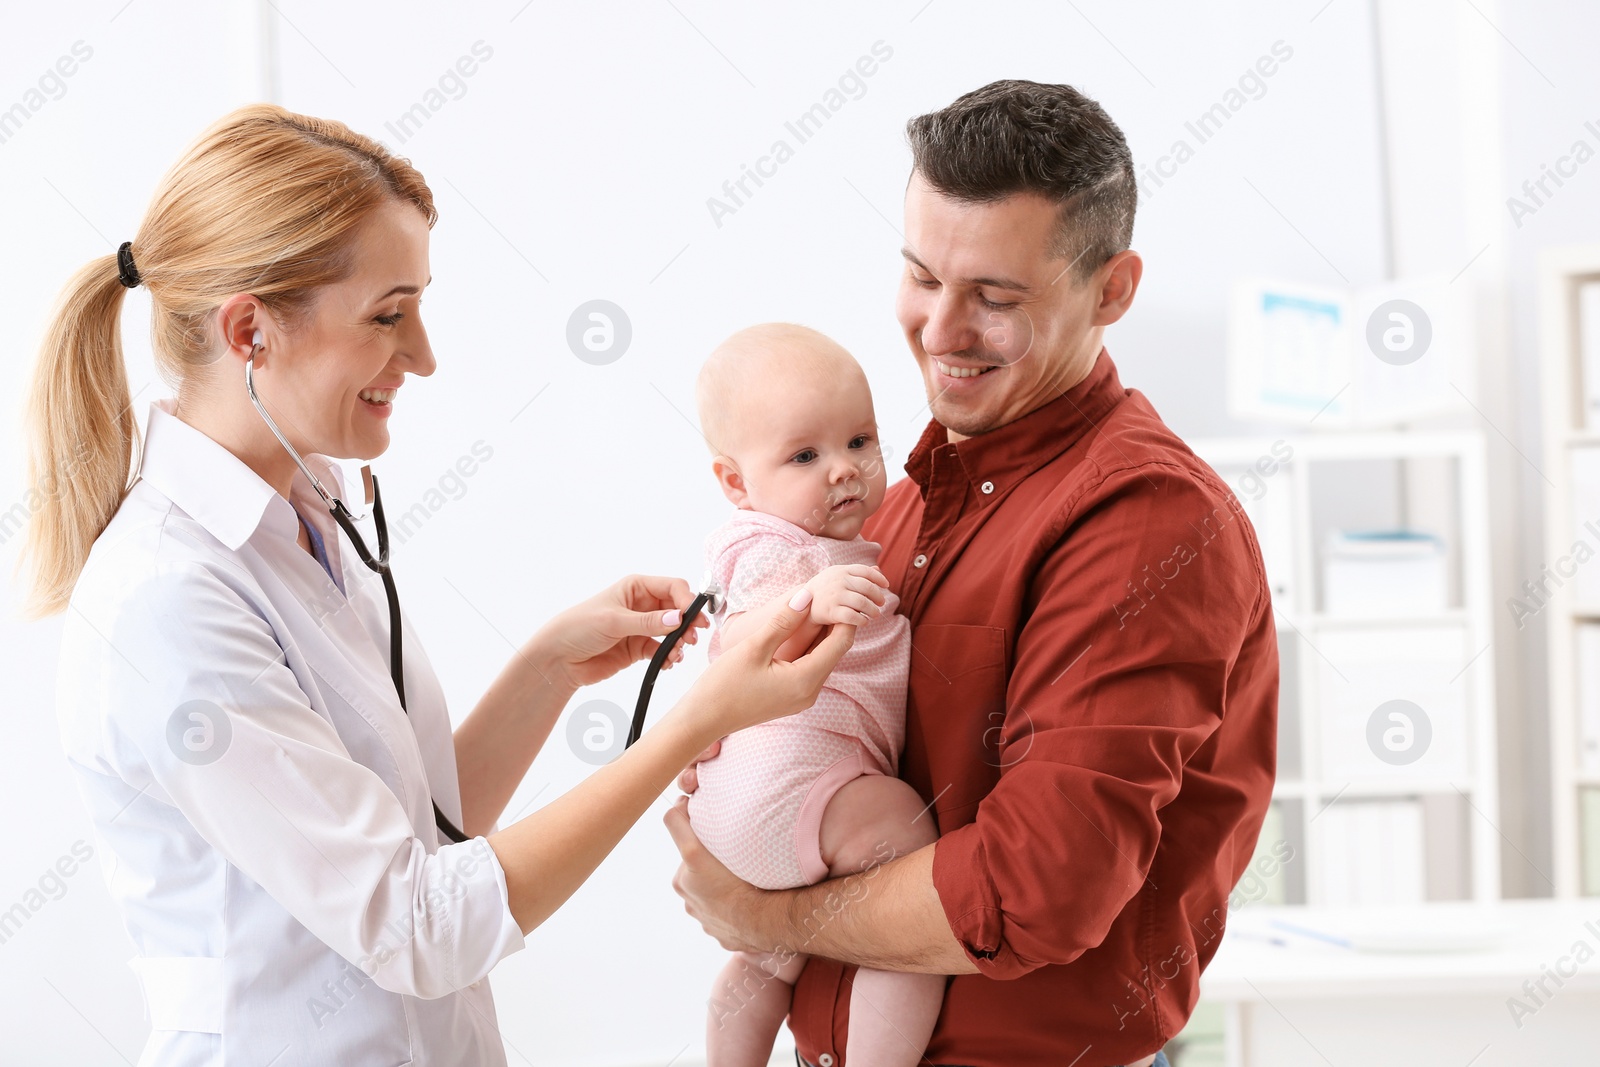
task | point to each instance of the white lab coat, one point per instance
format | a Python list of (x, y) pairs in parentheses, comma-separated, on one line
[(262, 804)]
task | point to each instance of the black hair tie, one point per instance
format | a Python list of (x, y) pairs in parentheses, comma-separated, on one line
[(127, 273)]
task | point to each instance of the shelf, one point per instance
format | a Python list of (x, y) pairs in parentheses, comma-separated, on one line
[(1325, 621), (1290, 508), (1331, 445), (1561, 273), (1398, 788), (1500, 944)]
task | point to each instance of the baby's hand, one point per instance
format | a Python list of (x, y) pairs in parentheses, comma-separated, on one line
[(851, 593)]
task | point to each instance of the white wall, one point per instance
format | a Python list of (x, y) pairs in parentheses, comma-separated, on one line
[(577, 165)]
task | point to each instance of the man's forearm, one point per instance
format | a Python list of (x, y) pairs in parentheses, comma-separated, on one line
[(887, 917)]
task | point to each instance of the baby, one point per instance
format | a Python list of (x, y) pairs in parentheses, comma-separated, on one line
[(789, 418)]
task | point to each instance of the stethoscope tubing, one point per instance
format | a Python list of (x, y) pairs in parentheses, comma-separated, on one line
[(380, 564), (663, 650)]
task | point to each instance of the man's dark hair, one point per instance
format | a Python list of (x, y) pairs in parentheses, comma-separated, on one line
[(1017, 136)]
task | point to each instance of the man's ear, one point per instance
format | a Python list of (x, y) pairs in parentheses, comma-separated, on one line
[(1119, 280), (731, 481)]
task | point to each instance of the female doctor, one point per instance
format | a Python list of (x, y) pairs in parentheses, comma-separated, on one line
[(263, 803)]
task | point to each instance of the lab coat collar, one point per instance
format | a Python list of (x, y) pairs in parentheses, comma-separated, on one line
[(218, 489)]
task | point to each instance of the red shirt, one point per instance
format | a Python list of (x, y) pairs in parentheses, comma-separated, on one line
[(1092, 713)]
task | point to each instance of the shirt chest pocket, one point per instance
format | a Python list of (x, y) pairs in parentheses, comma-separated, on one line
[(956, 702), (945, 652)]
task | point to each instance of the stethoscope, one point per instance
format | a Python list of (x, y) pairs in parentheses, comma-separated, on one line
[(346, 521), (711, 596)]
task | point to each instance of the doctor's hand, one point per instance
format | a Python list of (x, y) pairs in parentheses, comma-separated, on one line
[(615, 628), (747, 685)]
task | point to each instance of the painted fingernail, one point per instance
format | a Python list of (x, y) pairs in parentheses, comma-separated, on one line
[(800, 599), (672, 618)]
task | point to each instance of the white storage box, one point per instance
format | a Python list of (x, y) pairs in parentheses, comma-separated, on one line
[(1389, 572)]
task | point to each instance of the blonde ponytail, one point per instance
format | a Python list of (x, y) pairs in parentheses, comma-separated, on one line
[(266, 202), (82, 432)]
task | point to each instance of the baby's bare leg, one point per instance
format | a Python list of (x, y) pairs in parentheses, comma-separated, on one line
[(747, 1005), (870, 820)]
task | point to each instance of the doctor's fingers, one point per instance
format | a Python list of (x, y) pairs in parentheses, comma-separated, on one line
[(655, 623), (640, 628), (644, 648), (810, 671), (652, 592)]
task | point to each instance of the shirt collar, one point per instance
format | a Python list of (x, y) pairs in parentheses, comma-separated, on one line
[(219, 490), (1002, 457)]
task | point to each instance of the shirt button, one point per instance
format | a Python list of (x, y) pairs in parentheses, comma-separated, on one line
[(919, 561), (825, 1060), (987, 487)]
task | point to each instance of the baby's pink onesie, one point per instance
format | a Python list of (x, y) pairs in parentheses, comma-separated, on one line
[(758, 807)]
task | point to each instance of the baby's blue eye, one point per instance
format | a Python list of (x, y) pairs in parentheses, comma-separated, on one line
[(859, 441), (804, 452)]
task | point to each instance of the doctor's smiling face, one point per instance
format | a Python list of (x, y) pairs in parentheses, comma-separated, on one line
[(330, 372)]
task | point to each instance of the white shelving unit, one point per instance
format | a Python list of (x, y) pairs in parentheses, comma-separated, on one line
[(1322, 739), (1561, 272)]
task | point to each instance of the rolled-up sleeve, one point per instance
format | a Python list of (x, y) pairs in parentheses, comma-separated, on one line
[(1119, 677), (202, 711)]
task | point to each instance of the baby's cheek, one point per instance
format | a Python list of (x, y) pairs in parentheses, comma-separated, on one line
[(878, 476)]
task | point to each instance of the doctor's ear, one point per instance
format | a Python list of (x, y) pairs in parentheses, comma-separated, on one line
[(242, 323), (730, 481)]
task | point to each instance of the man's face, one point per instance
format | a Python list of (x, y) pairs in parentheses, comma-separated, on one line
[(997, 324)]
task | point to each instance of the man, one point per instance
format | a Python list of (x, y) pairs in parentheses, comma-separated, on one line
[(1092, 705)]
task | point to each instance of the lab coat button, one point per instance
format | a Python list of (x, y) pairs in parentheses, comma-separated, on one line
[(919, 561), (987, 487), (825, 1060)]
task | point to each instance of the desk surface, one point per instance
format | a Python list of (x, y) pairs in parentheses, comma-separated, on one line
[(1447, 947)]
